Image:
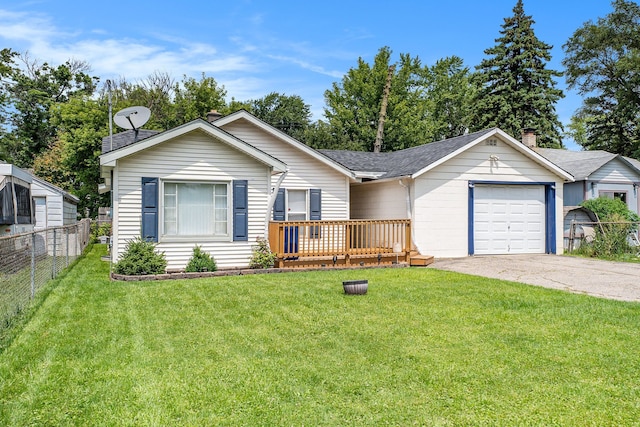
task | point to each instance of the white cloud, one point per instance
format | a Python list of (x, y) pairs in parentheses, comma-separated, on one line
[(23, 27), (249, 64), (307, 66), (114, 57)]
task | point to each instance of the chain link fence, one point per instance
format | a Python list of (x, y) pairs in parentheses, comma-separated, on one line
[(28, 261)]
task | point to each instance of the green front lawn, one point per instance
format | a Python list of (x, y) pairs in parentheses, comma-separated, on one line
[(423, 347)]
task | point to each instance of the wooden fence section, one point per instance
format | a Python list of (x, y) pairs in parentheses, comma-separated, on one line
[(339, 243)]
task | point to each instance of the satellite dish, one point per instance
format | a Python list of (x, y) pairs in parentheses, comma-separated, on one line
[(132, 117)]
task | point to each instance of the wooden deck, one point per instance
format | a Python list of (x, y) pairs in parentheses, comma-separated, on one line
[(341, 243)]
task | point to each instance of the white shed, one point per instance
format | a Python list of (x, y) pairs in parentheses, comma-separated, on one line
[(53, 207)]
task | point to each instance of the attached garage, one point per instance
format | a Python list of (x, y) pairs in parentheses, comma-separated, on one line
[(509, 219), (480, 193)]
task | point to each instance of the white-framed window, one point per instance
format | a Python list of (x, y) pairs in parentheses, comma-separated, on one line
[(195, 209), (621, 195), (296, 205)]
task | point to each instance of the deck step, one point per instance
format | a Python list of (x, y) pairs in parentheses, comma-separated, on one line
[(421, 260)]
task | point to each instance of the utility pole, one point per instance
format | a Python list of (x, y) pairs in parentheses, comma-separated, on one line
[(377, 145)]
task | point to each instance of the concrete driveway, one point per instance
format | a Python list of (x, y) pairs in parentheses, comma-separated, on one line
[(605, 279)]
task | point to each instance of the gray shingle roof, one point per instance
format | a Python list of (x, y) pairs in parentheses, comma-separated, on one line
[(634, 162), (128, 137), (404, 162), (580, 164)]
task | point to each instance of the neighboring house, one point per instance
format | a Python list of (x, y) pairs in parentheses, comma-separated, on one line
[(481, 193), (53, 207), (217, 186), (218, 183), (597, 173), (28, 202)]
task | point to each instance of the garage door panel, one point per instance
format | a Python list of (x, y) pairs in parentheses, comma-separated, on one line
[(509, 219)]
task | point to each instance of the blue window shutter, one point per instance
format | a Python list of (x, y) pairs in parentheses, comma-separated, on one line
[(279, 213), (150, 209), (240, 210), (315, 204), (315, 210)]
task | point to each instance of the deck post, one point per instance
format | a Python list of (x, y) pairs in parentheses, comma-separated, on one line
[(409, 243)]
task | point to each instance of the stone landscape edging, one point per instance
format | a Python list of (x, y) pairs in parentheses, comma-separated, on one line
[(237, 272)]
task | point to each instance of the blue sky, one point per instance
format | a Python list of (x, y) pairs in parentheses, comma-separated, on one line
[(292, 47)]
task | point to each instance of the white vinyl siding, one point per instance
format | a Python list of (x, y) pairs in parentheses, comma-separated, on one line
[(615, 177), (305, 172), (379, 200), (440, 215), (615, 172), (70, 212), (59, 210), (196, 157)]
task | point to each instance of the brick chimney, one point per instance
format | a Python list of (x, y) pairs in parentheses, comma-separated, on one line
[(529, 138), (213, 115)]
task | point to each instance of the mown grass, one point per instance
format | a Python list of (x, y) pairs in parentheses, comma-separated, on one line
[(423, 347)]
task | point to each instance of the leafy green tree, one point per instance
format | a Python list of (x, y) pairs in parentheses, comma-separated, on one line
[(194, 99), (516, 90), (72, 161), (603, 62), (235, 105), (353, 105), (319, 135), (7, 64), (288, 113), (450, 94), (577, 128), (155, 92), (31, 92)]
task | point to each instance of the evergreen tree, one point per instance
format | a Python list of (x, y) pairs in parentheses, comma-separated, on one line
[(603, 63), (516, 90)]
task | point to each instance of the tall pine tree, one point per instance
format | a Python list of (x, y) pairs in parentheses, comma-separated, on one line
[(603, 64), (517, 91)]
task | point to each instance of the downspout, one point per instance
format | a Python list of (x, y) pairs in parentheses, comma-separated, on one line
[(409, 212), (271, 202)]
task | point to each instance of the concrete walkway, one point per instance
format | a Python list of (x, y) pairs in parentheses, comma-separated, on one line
[(605, 279)]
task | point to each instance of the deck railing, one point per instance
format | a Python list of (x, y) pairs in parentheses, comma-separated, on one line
[(298, 243)]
